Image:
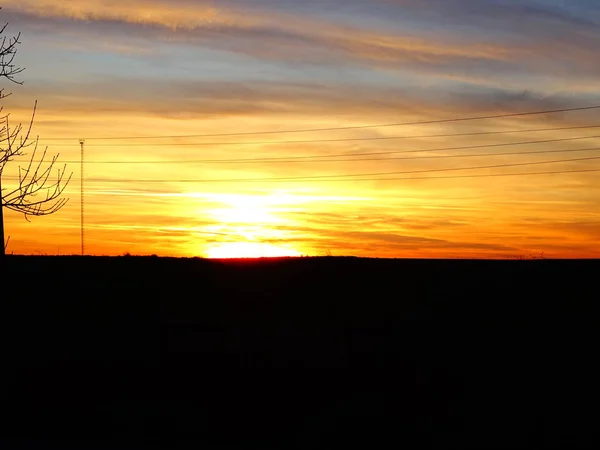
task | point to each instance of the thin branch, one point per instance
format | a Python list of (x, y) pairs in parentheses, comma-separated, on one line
[(35, 194)]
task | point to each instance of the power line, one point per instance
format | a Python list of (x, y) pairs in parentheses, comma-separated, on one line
[(377, 138), (494, 166), (535, 152), (328, 158), (349, 177), (403, 158), (373, 174), (556, 172), (448, 177), (355, 127)]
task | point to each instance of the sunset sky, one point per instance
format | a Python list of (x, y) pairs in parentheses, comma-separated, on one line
[(110, 71)]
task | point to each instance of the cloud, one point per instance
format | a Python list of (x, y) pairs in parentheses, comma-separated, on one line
[(185, 99), (140, 12), (279, 36), (362, 243)]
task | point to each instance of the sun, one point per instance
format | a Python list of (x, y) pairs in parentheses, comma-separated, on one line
[(249, 250)]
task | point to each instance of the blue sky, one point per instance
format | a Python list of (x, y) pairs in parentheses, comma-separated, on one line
[(498, 44)]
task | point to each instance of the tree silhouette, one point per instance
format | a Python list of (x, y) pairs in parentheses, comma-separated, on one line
[(34, 193)]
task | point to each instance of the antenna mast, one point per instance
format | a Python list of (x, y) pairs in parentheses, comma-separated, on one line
[(82, 143)]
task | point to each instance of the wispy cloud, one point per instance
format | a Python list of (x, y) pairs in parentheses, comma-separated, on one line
[(524, 45)]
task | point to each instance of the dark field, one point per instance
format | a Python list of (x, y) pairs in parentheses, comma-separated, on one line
[(309, 353)]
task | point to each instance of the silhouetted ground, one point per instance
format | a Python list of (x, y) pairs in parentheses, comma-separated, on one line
[(309, 353)]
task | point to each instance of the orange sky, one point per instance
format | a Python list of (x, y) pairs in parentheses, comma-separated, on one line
[(159, 68)]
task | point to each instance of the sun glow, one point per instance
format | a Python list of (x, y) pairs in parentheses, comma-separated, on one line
[(251, 209), (261, 225), (249, 250)]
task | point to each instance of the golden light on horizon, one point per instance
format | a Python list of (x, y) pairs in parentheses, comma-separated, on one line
[(263, 224), (230, 250), (250, 220)]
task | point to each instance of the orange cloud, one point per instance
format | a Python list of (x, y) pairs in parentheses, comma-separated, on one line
[(140, 12)]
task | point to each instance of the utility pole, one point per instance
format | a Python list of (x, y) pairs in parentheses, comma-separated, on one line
[(82, 143)]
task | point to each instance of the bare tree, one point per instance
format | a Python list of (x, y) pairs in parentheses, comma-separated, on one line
[(34, 193)]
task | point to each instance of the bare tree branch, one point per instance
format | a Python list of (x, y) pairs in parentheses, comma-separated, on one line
[(8, 52), (35, 194)]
